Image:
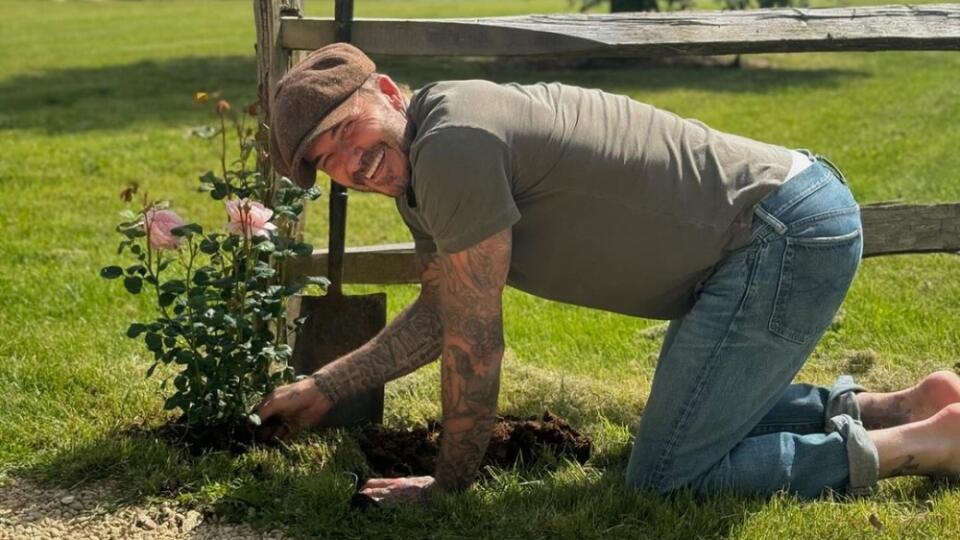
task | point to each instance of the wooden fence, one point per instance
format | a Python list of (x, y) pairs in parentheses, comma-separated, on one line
[(282, 32)]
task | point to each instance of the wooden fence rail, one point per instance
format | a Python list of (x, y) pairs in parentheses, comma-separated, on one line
[(928, 27)]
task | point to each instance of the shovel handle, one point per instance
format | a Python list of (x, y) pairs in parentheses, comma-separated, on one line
[(343, 18), (338, 230)]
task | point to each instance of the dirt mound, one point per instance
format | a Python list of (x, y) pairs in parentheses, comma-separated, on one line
[(393, 453)]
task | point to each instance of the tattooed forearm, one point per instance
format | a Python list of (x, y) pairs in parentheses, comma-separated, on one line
[(470, 310), (412, 340)]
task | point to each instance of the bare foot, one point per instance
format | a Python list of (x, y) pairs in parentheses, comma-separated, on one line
[(913, 404), (927, 447)]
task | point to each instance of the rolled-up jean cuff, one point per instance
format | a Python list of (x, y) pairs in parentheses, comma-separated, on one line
[(861, 455), (842, 400)]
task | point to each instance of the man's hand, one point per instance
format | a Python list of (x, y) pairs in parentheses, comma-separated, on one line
[(388, 491), (292, 407)]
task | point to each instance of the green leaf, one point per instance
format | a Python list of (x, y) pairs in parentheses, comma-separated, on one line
[(154, 341), (151, 369), (318, 280), (209, 246), (220, 191), (111, 272), (187, 230), (201, 278), (133, 232), (133, 284), (136, 269), (254, 419), (209, 177), (265, 246), (204, 132), (184, 356), (166, 299), (303, 250), (135, 329), (175, 286), (173, 402)]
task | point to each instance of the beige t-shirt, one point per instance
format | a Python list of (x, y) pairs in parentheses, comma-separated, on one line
[(614, 204)]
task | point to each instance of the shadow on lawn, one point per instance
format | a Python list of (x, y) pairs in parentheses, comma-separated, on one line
[(307, 487), (77, 100)]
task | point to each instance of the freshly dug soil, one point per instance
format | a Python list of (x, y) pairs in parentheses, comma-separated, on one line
[(393, 453)]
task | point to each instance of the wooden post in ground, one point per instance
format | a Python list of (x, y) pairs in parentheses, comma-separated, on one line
[(273, 60)]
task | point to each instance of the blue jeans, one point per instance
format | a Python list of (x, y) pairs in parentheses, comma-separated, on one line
[(722, 414)]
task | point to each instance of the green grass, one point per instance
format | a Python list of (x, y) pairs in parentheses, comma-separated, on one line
[(109, 101)]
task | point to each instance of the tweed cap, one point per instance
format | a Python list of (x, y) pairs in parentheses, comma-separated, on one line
[(311, 98)]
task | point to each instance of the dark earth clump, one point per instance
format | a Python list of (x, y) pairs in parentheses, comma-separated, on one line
[(393, 453)]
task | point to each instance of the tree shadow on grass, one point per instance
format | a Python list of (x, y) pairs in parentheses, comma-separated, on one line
[(77, 100), (644, 75), (306, 487)]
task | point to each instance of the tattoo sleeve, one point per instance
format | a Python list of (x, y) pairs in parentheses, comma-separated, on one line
[(411, 340), (471, 287)]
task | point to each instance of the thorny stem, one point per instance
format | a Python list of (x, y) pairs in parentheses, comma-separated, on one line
[(223, 146), (196, 354)]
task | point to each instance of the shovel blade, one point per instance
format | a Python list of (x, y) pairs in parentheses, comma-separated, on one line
[(336, 325)]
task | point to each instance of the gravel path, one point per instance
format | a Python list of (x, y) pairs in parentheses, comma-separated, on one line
[(29, 512)]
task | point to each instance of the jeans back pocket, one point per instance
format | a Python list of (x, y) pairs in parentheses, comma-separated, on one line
[(815, 274)]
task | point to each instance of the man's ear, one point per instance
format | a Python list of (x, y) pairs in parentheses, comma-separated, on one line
[(391, 91)]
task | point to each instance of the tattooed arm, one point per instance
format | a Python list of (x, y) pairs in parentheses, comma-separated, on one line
[(411, 340), (471, 287)]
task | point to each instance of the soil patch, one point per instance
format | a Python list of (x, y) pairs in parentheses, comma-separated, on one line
[(393, 453), (515, 442)]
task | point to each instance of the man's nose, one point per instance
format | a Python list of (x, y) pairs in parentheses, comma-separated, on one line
[(352, 159)]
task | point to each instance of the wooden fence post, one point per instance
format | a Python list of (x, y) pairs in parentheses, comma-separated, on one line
[(273, 60)]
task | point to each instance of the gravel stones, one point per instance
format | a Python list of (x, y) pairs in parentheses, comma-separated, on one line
[(29, 512)]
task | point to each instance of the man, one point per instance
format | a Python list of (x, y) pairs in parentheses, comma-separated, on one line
[(595, 199)]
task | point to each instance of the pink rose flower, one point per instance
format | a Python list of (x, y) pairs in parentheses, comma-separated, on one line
[(249, 218), (158, 225)]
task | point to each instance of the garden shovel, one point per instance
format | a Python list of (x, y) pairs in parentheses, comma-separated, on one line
[(337, 324)]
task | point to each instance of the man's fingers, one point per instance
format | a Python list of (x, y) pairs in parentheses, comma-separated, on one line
[(376, 483), (265, 409), (377, 494), (272, 430)]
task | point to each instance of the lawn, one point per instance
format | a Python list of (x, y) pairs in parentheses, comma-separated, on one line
[(96, 94)]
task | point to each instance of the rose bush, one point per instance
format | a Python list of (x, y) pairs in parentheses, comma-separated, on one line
[(221, 295)]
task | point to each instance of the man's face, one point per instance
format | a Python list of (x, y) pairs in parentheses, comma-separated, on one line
[(367, 151)]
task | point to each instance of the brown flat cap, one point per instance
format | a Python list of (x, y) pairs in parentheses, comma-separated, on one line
[(310, 98)]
